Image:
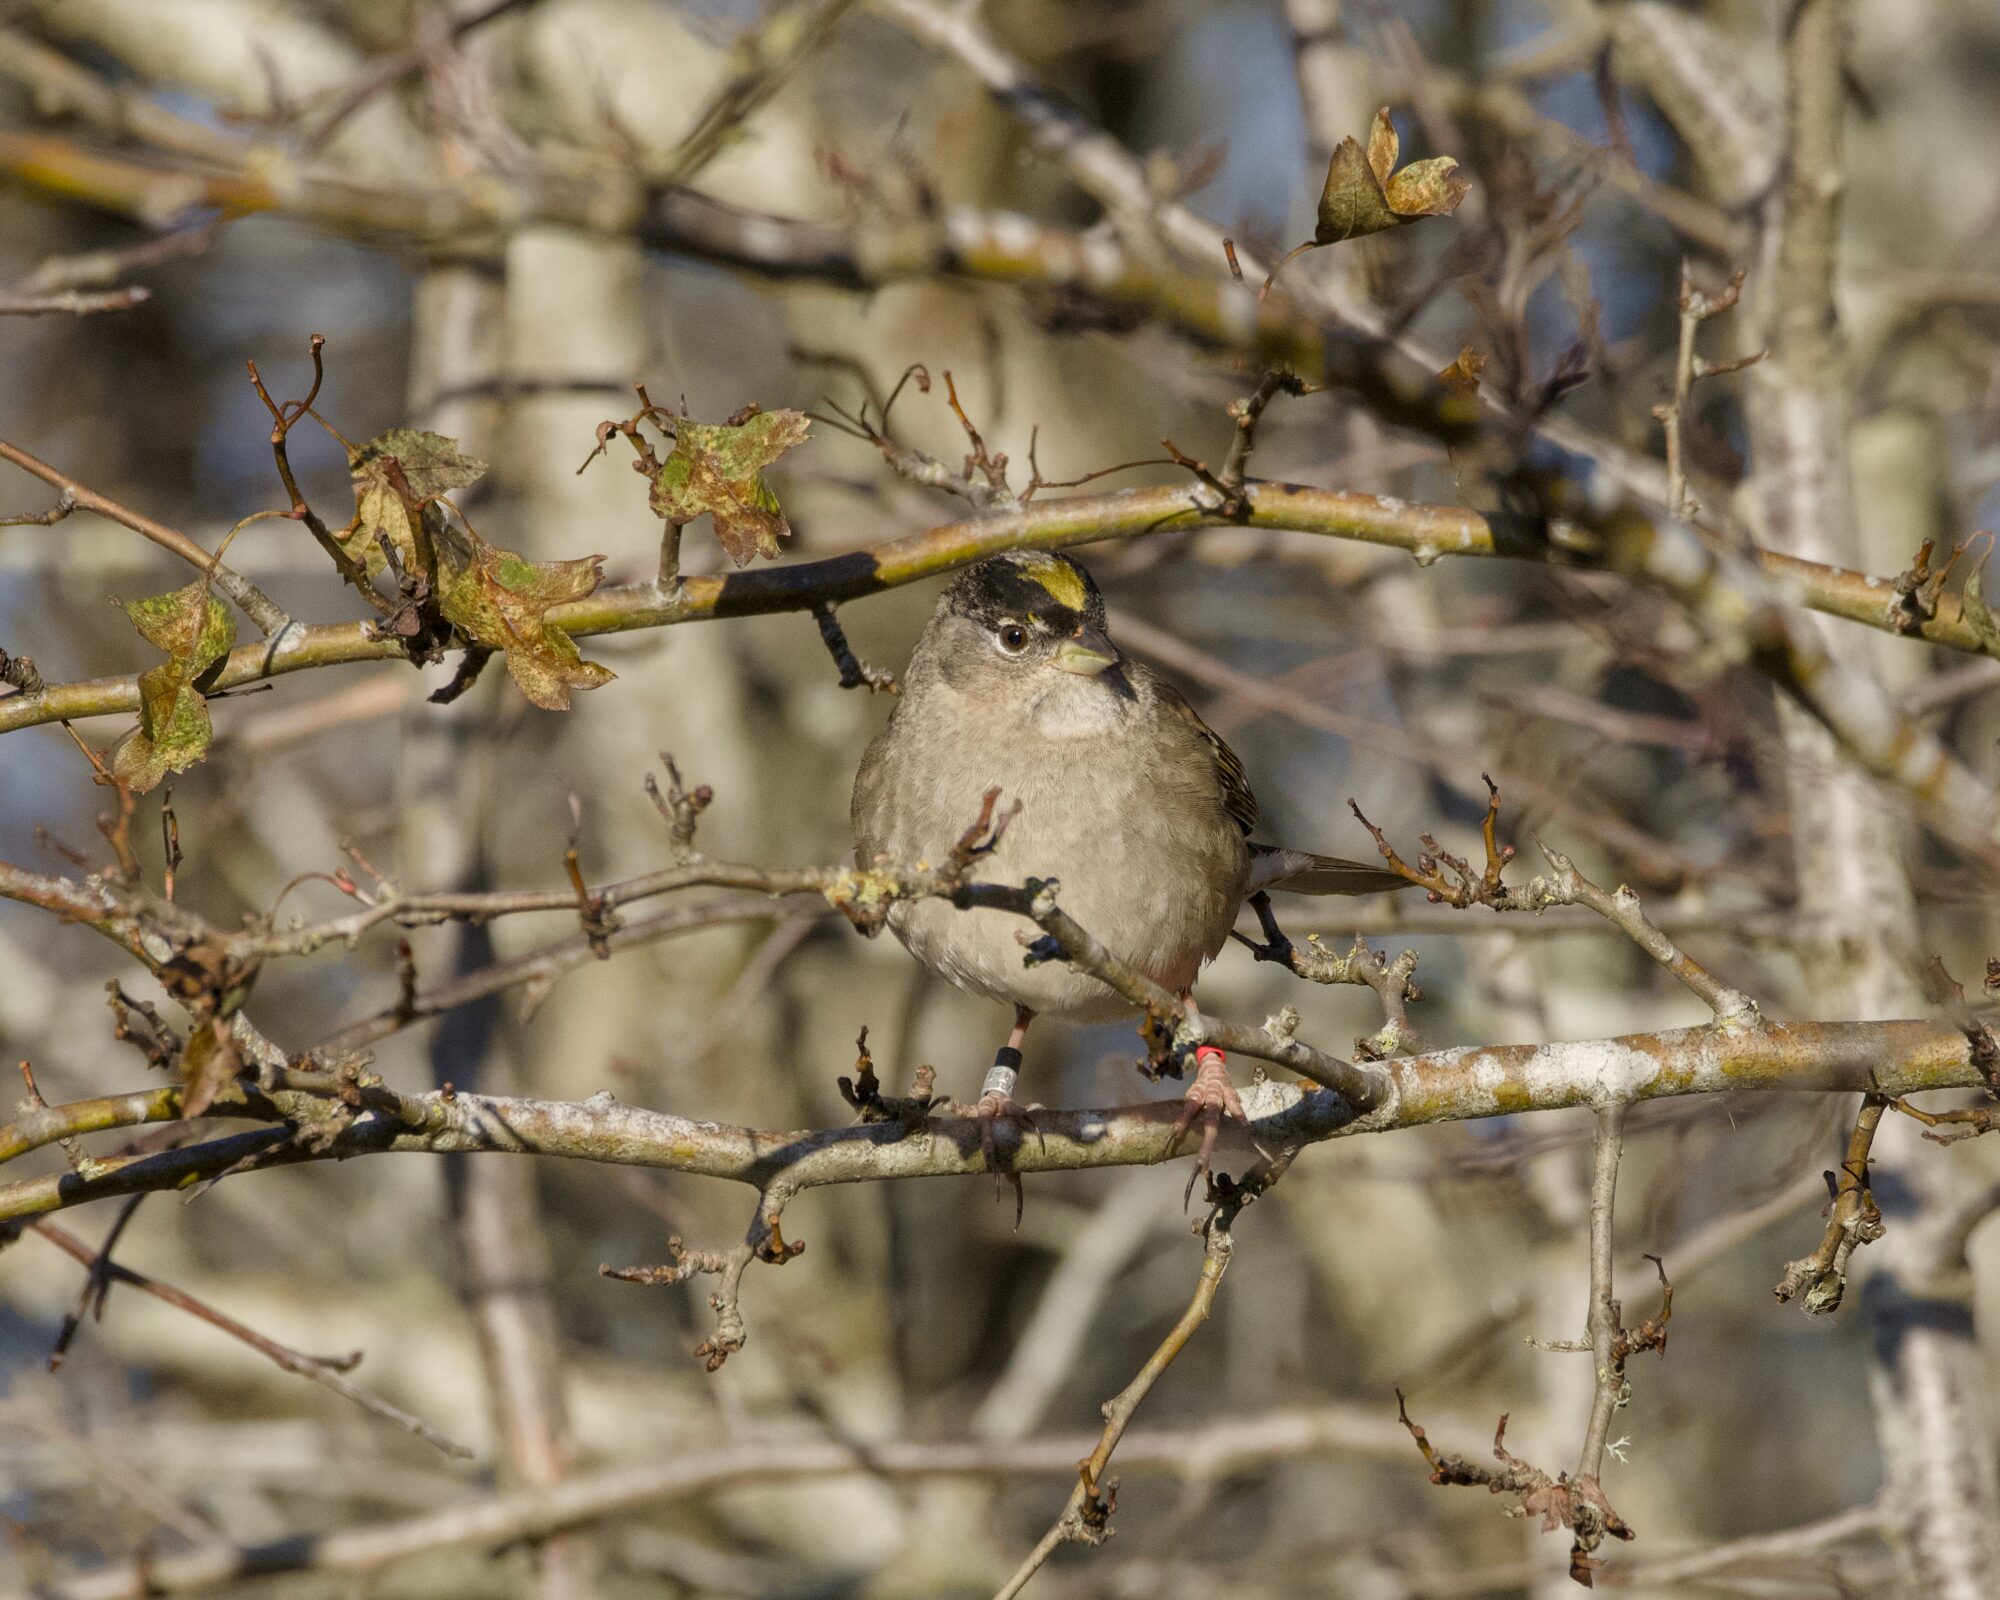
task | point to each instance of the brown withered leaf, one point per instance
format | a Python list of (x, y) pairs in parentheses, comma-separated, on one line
[(1364, 193), (210, 1060), (717, 468), (430, 465), (1939, 986), (1463, 374), (196, 631), (1979, 614), (501, 600)]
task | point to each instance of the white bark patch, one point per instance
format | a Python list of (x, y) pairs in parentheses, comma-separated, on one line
[(1238, 310), (1103, 263), (1013, 234)]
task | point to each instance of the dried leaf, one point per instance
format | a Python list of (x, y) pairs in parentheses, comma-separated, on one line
[(718, 468), (501, 600), (209, 1062), (1352, 203), (1383, 147), (1430, 188), (196, 631), (1365, 194), (1939, 986), (1463, 374), (1552, 1502), (429, 465), (1979, 614)]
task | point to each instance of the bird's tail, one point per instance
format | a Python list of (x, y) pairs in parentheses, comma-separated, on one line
[(1303, 872)]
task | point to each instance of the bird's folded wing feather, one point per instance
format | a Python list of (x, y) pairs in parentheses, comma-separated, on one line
[(1237, 799), (1303, 872), (1272, 867)]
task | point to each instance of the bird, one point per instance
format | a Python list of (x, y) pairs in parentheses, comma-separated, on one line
[(1117, 789)]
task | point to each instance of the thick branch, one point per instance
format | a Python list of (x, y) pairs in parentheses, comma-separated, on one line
[(1898, 1058), (1427, 532)]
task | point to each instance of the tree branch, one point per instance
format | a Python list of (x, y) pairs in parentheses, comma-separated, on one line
[(1902, 1057)]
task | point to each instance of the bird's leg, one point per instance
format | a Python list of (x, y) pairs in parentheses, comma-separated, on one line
[(1211, 1097), (996, 1100)]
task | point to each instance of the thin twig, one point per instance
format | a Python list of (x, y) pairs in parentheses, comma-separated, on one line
[(321, 1370), (259, 607), (1086, 1516), (1604, 1323), (1853, 1220)]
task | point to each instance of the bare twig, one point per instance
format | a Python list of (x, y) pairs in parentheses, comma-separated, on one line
[(1453, 880), (322, 1370), (764, 58), (1696, 308), (252, 601), (1852, 1220), (1086, 1517), (854, 672), (1604, 1325), (72, 302), (1564, 1504), (1246, 413), (284, 417), (96, 1284), (1197, 1455), (763, 1242)]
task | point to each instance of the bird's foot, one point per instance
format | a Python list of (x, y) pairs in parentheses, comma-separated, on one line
[(1211, 1097), (997, 1103), (993, 1109)]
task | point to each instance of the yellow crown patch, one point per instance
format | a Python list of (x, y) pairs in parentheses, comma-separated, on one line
[(1061, 579)]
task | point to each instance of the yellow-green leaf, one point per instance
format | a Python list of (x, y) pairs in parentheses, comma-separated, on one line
[(395, 474), (196, 631), (717, 468), (501, 600)]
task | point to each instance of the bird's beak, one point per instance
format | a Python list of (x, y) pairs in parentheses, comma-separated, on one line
[(1087, 652)]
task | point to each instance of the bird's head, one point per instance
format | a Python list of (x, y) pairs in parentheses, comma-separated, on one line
[(1024, 625)]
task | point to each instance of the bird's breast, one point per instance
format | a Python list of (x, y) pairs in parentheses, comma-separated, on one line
[(1146, 858)]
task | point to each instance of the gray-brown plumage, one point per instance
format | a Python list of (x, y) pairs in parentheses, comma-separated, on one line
[(1125, 795)]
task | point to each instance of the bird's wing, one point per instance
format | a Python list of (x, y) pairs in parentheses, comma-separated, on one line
[(1272, 867), (1237, 799)]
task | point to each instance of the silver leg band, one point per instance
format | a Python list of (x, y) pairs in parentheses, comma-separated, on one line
[(1000, 1081)]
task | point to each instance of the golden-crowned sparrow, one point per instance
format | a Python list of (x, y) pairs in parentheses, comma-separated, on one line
[(1124, 795)]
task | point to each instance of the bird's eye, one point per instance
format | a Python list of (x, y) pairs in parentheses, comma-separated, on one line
[(1013, 638)]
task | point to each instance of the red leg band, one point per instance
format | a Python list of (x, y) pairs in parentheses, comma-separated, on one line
[(1203, 1051)]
